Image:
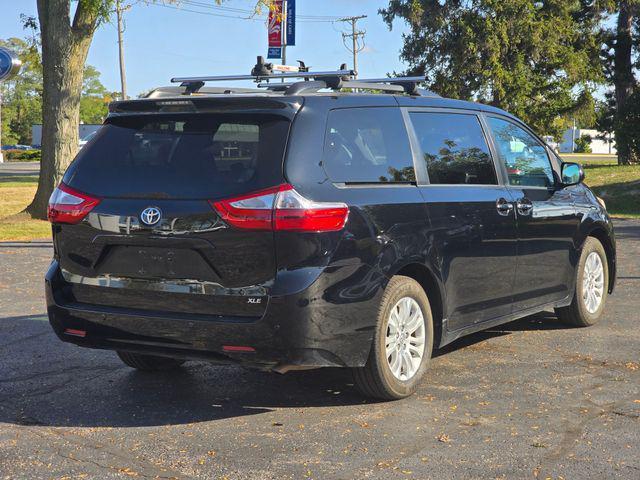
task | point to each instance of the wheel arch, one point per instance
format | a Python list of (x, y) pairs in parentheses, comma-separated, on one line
[(600, 233)]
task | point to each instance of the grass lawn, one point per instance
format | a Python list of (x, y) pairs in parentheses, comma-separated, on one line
[(618, 186), (15, 194)]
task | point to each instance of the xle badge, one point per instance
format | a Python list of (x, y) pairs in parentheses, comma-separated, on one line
[(254, 300)]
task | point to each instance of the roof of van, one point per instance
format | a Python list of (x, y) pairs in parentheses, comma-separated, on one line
[(174, 96)]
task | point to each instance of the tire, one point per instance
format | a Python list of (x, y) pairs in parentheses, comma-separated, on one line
[(148, 363), (580, 313), (376, 379)]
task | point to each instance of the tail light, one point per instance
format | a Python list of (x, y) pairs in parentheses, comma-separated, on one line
[(67, 205), (281, 208)]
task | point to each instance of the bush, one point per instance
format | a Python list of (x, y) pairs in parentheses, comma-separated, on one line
[(22, 155), (583, 144)]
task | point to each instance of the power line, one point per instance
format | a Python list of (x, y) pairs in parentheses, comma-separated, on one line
[(208, 5), (241, 14)]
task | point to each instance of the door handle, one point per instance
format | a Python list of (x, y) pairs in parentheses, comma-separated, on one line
[(524, 206), (504, 208)]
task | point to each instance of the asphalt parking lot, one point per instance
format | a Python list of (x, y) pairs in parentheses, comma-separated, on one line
[(15, 169), (531, 399)]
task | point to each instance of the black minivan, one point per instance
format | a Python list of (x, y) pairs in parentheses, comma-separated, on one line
[(307, 225)]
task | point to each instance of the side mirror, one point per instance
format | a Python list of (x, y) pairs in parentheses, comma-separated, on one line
[(572, 174)]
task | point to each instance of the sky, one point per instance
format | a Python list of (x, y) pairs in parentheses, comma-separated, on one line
[(164, 41)]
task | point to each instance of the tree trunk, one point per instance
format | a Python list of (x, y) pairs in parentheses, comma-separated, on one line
[(64, 51), (623, 78)]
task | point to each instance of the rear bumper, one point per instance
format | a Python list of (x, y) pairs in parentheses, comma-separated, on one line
[(313, 328)]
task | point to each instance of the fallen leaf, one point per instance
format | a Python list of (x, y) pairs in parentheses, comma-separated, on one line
[(128, 471)]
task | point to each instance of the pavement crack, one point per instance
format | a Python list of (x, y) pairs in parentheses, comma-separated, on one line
[(626, 414)]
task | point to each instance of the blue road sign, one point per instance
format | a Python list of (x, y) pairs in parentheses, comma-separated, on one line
[(9, 64)]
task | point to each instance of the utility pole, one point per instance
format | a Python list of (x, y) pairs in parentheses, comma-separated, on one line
[(123, 76), (355, 35)]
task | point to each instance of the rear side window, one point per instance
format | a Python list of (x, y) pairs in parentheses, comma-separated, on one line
[(367, 145), (182, 156), (454, 148)]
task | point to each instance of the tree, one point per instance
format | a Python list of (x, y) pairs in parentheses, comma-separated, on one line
[(622, 45), (533, 58), (65, 45), (94, 103)]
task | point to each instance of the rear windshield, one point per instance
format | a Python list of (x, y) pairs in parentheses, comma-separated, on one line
[(182, 156)]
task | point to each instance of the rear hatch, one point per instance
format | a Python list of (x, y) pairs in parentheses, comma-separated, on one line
[(154, 242)]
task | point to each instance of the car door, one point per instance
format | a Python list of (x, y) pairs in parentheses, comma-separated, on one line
[(472, 219), (546, 216)]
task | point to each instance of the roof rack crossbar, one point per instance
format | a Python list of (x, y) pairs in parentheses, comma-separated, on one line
[(260, 78), (395, 85)]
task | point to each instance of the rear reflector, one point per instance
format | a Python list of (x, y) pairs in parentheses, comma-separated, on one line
[(281, 208), (238, 348), (67, 205), (75, 333)]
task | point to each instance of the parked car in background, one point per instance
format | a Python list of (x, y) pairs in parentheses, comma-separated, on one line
[(294, 228), (86, 139), (16, 147)]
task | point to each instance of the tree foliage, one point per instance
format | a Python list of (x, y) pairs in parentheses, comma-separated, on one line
[(95, 98), (537, 59), (22, 95)]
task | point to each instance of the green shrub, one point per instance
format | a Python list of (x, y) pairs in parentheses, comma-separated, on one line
[(583, 144), (22, 155)]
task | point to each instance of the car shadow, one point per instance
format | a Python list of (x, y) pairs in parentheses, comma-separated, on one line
[(44, 382)]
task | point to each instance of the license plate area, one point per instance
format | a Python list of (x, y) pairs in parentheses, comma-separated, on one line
[(155, 262)]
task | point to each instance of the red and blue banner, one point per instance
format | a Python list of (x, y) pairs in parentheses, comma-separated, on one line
[(281, 26), (274, 25)]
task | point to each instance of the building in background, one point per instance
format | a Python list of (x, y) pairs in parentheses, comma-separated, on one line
[(84, 131), (598, 146)]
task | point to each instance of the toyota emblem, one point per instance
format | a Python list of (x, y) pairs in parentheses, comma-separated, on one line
[(151, 215)]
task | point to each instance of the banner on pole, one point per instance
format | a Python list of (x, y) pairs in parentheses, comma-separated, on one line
[(291, 23), (275, 24), (274, 52)]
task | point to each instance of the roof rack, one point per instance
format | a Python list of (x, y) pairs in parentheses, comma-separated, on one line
[(263, 73), (408, 85)]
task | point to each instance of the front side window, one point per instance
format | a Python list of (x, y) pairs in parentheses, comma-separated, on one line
[(525, 158), (454, 149), (367, 145)]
